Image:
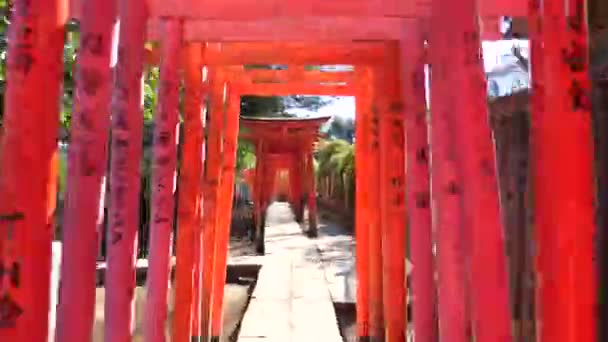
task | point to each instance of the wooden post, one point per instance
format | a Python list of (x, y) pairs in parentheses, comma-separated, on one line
[(564, 202), (312, 193), (363, 208), (392, 195), (163, 184), (297, 172), (543, 291), (191, 171), (87, 163), (230, 141), (259, 222), (480, 198), (447, 189), (376, 311), (199, 231), (418, 187), (125, 175), (213, 173), (28, 173)]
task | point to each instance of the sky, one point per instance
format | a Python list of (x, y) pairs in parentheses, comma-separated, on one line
[(496, 53)]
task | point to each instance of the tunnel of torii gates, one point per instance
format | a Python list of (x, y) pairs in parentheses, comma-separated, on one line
[(385, 42), (287, 144)]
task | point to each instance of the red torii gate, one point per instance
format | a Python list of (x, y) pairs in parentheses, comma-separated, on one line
[(284, 143), (464, 186)]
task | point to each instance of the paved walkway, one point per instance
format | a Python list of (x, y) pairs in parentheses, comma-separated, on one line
[(336, 245), (291, 302)]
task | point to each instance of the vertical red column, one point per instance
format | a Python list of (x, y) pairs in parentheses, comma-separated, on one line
[(198, 243), (446, 193), (28, 172), (126, 150), (564, 200), (230, 141), (87, 162), (259, 224), (392, 196), (376, 311), (213, 171), (418, 187), (480, 198), (545, 288), (164, 163), (362, 201), (191, 171), (312, 193)]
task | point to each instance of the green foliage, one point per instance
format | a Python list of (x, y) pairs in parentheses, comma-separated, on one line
[(151, 81), (336, 161), (245, 158)]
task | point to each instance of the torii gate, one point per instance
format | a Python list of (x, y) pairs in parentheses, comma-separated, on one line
[(384, 40), (284, 143)]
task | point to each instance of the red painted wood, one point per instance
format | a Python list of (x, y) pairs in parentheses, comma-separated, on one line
[(376, 309), (87, 163), (545, 290), (230, 141), (424, 290), (340, 10), (447, 187), (29, 170), (362, 201), (312, 194), (125, 173), (189, 203), (310, 28), (392, 195), (563, 145), (198, 247), (477, 164), (268, 89), (164, 163), (294, 75), (294, 53), (212, 178)]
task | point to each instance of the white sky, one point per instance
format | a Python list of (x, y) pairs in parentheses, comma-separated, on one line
[(493, 52)]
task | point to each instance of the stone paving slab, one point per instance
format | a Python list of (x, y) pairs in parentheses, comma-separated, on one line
[(291, 301), (336, 247)]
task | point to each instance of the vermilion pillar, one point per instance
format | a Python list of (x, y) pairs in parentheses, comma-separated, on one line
[(164, 162), (230, 141), (362, 201), (418, 187), (259, 220), (312, 193), (446, 194), (28, 172), (545, 291), (87, 162), (376, 311), (213, 165), (392, 195), (199, 231), (563, 184), (480, 198), (191, 170), (127, 123)]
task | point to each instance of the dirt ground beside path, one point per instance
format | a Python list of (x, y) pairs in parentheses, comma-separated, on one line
[(236, 299), (240, 283)]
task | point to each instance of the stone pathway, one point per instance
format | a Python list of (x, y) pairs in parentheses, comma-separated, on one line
[(291, 302), (336, 246)]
